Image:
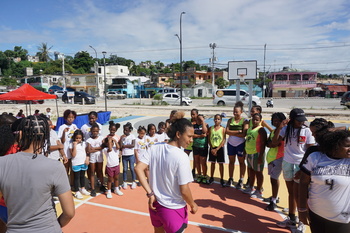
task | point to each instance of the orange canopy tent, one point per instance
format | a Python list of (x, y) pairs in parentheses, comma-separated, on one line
[(28, 93)]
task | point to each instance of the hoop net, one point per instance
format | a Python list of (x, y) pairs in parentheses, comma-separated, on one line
[(241, 77)]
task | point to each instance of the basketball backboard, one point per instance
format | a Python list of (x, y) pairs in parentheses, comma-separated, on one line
[(238, 70)]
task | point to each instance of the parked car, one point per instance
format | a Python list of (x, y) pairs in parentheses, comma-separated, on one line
[(115, 95), (174, 99), (78, 97), (59, 93), (345, 99), (228, 97)]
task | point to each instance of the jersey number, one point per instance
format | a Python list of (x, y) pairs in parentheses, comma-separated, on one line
[(330, 182)]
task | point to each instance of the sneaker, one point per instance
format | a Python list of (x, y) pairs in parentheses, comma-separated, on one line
[(286, 223), (247, 183), (125, 185), (78, 195), (229, 182), (205, 180), (84, 192), (103, 188), (133, 185), (211, 180), (199, 179), (118, 192), (269, 199), (271, 207), (256, 194), (248, 190), (139, 184), (109, 194), (239, 185), (285, 210), (93, 193), (222, 182), (301, 228)]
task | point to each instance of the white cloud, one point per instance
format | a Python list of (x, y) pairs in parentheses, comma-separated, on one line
[(144, 30)]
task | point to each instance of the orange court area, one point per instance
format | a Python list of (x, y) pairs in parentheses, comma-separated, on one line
[(220, 210)]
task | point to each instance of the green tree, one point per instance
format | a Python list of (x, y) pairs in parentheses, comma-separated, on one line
[(20, 52), (221, 82), (7, 81), (44, 52), (83, 61)]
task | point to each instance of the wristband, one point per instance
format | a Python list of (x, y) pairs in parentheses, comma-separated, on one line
[(150, 194), (302, 210)]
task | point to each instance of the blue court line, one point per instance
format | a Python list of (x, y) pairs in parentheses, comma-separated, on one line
[(126, 118)]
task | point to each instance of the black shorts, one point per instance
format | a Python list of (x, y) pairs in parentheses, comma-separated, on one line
[(220, 156), (322, 225), (202, 152)]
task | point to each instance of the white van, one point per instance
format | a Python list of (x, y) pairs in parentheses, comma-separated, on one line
[(228, 97)]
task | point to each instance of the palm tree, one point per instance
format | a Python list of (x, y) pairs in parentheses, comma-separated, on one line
[(44, 52)]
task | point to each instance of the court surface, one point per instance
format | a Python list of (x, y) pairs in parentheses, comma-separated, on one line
[(220, 209)]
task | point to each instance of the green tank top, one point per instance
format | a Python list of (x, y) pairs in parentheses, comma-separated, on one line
[(199, 142), (216, 136), (252, 142), (236, 126)]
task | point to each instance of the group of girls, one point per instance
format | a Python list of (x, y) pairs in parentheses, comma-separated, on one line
[(85, 148)]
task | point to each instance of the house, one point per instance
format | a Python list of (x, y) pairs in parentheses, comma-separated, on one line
[(82, 82), (291, 83), (192, 77), (200, 90)]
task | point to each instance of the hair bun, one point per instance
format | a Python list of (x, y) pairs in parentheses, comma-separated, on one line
[(177, 116)]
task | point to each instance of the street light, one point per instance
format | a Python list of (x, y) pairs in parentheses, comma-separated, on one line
[(105, 78), (213, 46), (96, 71), (180, 40)]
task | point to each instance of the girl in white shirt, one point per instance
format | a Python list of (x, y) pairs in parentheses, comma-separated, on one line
[(127, 144), (80, 162), (151, 137)]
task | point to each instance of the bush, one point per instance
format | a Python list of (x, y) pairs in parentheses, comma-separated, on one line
[(158, 97)]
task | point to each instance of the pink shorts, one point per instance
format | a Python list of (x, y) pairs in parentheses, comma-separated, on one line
[(172, 220), (113, 171)]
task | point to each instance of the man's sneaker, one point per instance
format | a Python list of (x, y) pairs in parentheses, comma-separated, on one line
[(269, 199), (109, 194), (239, 185), (93, 193), (133, 185), (118, 192), (271, 207), (211, 180), (229, 182), (248, 190), (199, 179), (124, 185), (78, 195), (103, 188), (286, 223), (222, 182), (205, 180), (256, 194), (84, 192)]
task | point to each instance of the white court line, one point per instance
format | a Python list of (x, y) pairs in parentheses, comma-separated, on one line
[(146, 214)]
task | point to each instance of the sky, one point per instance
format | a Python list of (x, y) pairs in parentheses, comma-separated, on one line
[(302, 34)]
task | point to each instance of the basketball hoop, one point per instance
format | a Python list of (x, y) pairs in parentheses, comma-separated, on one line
[(241, 77)]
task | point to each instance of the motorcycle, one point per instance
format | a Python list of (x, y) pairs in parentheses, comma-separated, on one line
[(269, 103)]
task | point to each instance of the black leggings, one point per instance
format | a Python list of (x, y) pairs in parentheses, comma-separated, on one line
[(79, 180), (322, 225)]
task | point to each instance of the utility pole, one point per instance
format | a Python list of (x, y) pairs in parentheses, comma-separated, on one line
[(105, 78), (264, 77), (213, 46), (180, 40), (96, 72), (63, 74)]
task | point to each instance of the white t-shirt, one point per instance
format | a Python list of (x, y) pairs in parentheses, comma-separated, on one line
[(68, 135), (294, 151), (112, 157), (95, 142), (151, 140), (79, 159), (128, 141), (140, 146), (174, 166), (86, 130), (162, 137), (55, 154), (329, 201)]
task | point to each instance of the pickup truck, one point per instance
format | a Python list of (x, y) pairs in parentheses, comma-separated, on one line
[(115, 95)]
